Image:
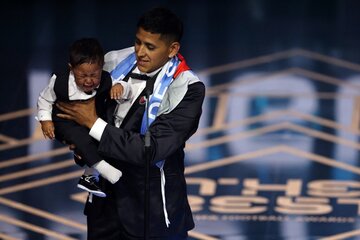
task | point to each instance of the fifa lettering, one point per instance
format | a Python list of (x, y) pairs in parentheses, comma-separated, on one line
[(290, 198), (238, 204)]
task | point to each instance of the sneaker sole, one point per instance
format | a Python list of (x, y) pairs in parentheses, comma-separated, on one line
[(96, 193)]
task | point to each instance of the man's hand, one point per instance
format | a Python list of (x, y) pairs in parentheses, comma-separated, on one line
[(82, 112)]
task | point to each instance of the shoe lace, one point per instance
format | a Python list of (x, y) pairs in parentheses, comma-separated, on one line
[(91, 178)]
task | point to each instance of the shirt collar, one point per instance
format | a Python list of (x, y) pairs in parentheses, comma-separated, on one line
[(151, 74)]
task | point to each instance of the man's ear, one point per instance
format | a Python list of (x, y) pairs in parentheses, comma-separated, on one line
[(174, 49), (70, 67)]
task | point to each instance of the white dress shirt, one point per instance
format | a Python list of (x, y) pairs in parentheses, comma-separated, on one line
[(47, 96)]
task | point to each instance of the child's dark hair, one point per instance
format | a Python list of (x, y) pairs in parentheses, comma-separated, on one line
[(163, 21), (86, 50)]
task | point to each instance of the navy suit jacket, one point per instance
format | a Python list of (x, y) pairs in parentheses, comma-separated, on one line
[(124, 147)]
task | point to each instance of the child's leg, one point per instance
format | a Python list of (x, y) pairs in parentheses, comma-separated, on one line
[(107, 171), (91, 171)]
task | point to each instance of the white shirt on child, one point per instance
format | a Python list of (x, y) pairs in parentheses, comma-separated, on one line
[(47, 96)]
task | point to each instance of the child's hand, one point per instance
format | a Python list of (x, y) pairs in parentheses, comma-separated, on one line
[(48, 129), (116, 91)]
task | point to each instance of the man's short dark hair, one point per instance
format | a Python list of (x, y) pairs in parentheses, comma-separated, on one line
[(162, 21), (86, 50)]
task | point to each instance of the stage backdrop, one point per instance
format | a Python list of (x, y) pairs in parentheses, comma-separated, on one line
[(276, 155)]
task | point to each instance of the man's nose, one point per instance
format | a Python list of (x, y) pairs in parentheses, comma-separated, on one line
[(141, 51)]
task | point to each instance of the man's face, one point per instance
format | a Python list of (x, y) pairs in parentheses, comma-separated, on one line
[(152, 52), (87, 76)]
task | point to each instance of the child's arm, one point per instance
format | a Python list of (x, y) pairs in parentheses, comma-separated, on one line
[(116, 91), (120, 90), (45, 102), (48, 129)]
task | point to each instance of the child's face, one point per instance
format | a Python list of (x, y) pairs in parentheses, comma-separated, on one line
[(87, 76)]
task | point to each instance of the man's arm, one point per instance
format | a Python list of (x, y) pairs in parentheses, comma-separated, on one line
[(169, 132), (82, 112)]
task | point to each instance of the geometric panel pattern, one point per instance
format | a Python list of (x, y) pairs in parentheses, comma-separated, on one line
[(276, 155)]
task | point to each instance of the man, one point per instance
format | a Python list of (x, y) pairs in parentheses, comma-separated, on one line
[(174, 112)]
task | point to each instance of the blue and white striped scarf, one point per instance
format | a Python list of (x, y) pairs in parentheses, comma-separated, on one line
[(161, 85)]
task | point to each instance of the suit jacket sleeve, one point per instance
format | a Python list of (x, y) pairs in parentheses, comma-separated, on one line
[(169, 132)]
